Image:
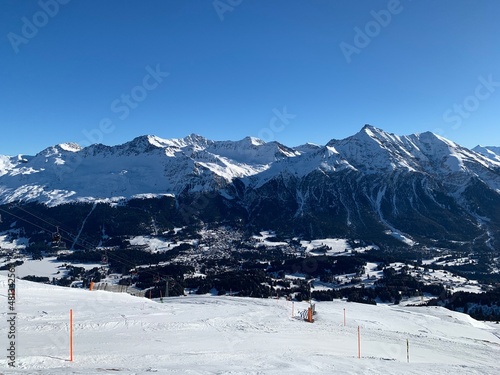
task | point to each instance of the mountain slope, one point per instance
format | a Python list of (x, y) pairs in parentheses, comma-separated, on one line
[(407, 190), (146, 165), (489, 151), (413, 188)]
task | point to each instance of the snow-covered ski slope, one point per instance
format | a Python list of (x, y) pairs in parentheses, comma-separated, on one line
[(121, 334)]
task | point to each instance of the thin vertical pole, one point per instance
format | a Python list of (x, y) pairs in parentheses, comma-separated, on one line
[(71, 335), (292, 308), (407, 350), (359, 343), (344, 317)]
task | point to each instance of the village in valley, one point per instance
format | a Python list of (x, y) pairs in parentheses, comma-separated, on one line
[(226, 261)]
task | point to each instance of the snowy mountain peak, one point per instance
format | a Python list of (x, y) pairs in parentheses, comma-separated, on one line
[(430, 137), (368, 136), (197, 140), (142, 144), (307, 147), (254, 141), (70, 146), (372, 149), (61, 148), (157, 141), (152, 165), (371, 130), (490, 152)]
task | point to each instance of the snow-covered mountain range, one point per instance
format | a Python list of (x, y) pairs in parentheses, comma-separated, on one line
[(489, 151), (411, 187), (149, 165)]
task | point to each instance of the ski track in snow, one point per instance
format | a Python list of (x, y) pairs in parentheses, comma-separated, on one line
[(120, 334), (83, 225)]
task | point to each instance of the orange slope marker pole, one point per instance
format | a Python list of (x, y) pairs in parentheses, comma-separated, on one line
[(71, 335), (359, 343)]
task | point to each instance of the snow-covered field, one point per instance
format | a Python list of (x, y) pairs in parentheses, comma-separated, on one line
[(47, 267), (431, 276), (120, 334), (156, 243), (334, 245), (263, 239), (7, 244)]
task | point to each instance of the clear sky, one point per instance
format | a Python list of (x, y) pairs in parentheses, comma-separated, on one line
[(294, 71)]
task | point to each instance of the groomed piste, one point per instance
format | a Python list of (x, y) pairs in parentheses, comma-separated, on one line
[(121, 334)]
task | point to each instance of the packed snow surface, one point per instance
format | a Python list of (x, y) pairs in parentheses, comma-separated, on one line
[(121, 334)]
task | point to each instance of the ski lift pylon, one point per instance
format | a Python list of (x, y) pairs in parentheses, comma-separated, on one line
[(56, 238), (104, 257)]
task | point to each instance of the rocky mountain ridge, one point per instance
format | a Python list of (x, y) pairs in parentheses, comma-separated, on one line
[(420, 188)]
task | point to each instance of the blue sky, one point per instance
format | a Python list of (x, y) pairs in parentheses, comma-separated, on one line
[(286, 70)]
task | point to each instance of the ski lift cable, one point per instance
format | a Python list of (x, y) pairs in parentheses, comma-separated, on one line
[(81, 242), (114, 256), (87, 245), (60, 237), (41, 227), (35, 224), (84, 243), (57, 225), (27, 221)]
